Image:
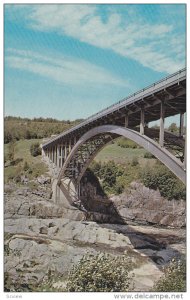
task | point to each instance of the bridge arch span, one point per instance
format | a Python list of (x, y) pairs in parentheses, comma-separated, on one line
[(108, 133)]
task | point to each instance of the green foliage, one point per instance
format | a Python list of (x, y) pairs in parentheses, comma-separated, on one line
[(11, 150), (126, 143), (109, 174), (17, 128), (26, 166), (148, 155), (174, 279), (115, 178), (167, 183), (95, 167), (100, 273), (93, 273), (35, 149), (173, 128), (24, 163), (135, 161)]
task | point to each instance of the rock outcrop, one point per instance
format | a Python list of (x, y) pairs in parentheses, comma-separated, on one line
[(143, 205), (42, 237)]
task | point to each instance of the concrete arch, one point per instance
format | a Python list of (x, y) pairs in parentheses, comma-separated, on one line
[(175, 165)]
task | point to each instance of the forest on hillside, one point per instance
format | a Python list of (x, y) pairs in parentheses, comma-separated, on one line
[(16, 128)]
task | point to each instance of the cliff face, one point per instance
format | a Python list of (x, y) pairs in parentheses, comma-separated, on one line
[(146, 206)]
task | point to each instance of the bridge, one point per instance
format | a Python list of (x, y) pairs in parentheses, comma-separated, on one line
[(71, 152)]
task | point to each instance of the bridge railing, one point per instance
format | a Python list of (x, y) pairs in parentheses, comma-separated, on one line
[(169, 79), (179, 75)]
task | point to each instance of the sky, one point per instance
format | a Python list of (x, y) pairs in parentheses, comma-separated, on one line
[(68, 61)]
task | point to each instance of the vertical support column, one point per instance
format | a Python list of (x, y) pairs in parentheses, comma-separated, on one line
[(75, 139), (60, 157), (55, 154), (61, 154), (126, 119), (142, 121), (65, 150), (181, 124), (52, 154), (70, 145), (57, 161), (162, 113), (185, 152)]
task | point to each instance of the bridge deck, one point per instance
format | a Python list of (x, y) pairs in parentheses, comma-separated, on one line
[(171, 90)]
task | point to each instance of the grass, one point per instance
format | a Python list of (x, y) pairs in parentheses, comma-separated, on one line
[(22, 152), (111, 152), (123, 155)]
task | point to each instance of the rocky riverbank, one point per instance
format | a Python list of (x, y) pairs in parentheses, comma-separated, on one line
[(42, 238), (145, 206)]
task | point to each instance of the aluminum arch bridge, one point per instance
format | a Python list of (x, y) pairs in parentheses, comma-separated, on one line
[(71, 152)]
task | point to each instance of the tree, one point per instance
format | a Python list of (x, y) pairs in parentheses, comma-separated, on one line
[(173, 128), (35, 149)]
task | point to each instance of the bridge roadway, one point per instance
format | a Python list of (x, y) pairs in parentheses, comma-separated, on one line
[(72, 151)]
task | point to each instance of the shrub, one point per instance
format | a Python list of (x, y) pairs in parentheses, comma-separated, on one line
[(115, 178), (26, 166), (35, 149), (134, 161), (100, 273), (167, 183), (11, 150), (95, 167), (17, 179), (126, 143), (148, 155), (119, 187), (109, 173), (174, 279)]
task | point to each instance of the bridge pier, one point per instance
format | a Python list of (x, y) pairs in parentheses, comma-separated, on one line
[(73, 150), (142, 121), (70, 146), (185, 154), (181, 124), (57, 155), (162, 113), (126, 120), (65, 150)]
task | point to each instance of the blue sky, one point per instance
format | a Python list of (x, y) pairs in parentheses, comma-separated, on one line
[(70, 61)]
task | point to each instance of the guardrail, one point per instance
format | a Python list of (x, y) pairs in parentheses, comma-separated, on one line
[(179, 75)]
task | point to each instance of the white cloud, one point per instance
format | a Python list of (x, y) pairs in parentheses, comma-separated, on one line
[(64, 70), (146, 43)]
